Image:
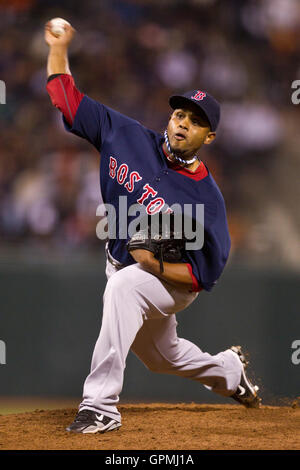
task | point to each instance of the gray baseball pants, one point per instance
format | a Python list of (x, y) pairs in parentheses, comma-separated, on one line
[(139, 314)]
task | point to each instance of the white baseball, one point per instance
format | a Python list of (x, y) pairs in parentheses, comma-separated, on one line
[(57, 26)]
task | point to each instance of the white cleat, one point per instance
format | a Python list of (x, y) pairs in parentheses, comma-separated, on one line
[(246, 393)]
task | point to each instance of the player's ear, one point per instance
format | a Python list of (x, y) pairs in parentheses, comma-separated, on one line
[(209, 138)]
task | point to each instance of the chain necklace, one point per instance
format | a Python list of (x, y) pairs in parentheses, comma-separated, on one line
[(186, 162)]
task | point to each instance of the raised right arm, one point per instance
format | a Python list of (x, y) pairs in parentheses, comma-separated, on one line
[(83, 116), (58, 50), (61, 87)]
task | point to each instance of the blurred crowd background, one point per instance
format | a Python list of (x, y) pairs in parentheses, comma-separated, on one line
[(132, 55)]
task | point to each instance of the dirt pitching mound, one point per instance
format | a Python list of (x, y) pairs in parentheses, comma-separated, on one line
[(159, 426)]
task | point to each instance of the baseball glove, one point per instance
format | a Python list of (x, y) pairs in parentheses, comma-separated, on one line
[(161, 239)]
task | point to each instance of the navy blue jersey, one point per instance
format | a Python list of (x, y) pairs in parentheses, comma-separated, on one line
[(133, 164)]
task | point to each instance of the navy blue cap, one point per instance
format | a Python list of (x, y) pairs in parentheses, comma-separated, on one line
[(204, 101)]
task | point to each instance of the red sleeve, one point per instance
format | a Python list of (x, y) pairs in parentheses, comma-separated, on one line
[(64, 95), (196, 287)]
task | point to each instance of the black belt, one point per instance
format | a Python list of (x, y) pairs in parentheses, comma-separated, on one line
[(113, 261)]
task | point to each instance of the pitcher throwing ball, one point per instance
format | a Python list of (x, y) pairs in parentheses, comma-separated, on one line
[(144, 290)]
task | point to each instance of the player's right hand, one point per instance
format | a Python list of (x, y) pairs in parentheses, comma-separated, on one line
[(63, 40)]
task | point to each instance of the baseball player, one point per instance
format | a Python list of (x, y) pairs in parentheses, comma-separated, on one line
[(141, 299)]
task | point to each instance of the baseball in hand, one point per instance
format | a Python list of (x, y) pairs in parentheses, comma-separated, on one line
[(57, 26)]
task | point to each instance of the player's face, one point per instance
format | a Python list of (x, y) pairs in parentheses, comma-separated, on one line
[(188, 131)]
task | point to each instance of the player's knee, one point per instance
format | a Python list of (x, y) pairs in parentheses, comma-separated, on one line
[(114, 284), (119, 284)]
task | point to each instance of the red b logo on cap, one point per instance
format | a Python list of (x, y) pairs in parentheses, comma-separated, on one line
[(199, 96)]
